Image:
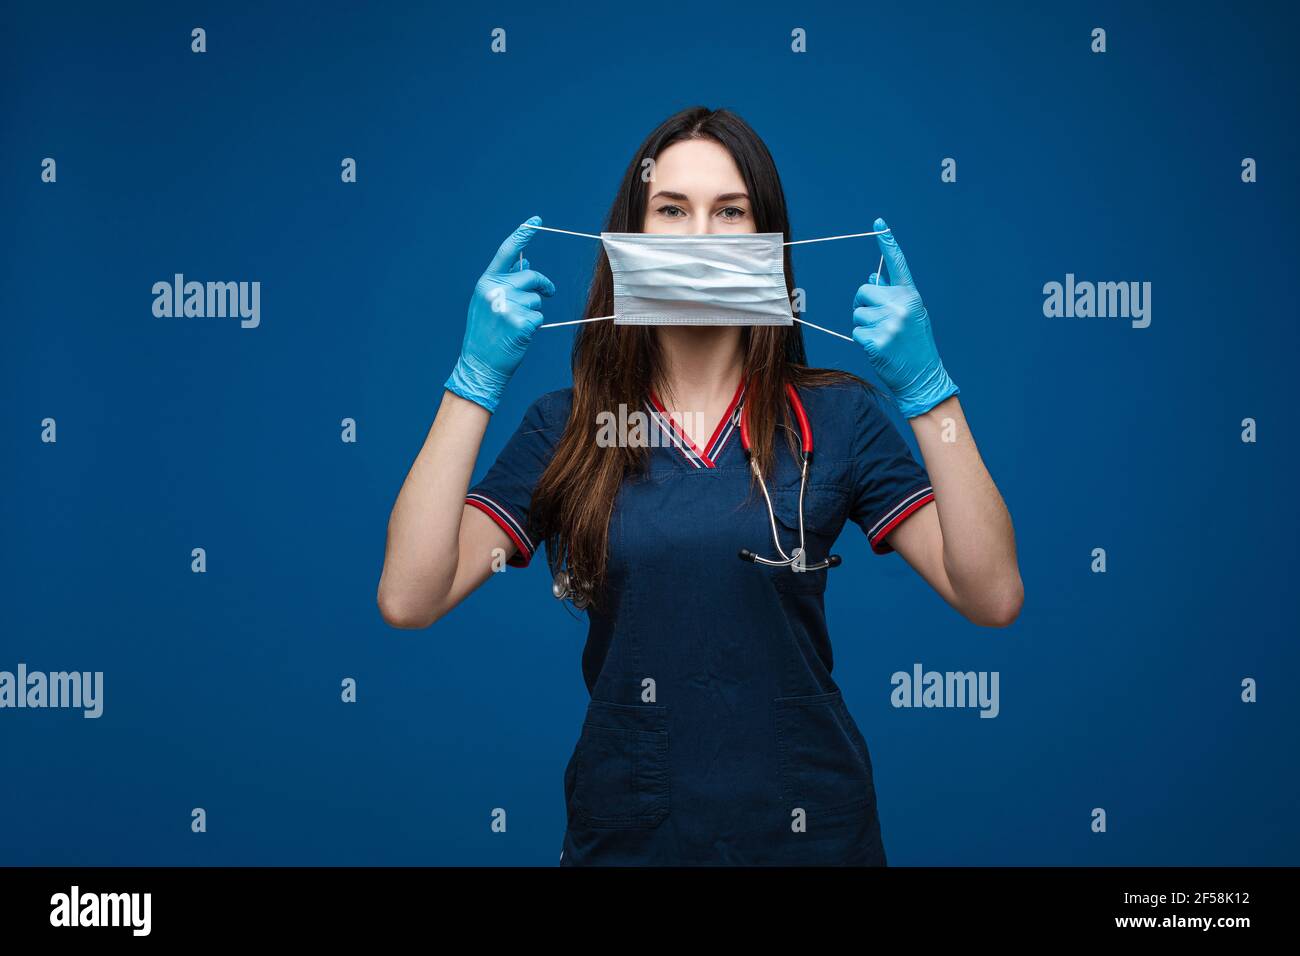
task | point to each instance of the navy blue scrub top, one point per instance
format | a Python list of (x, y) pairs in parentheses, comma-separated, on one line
[(714, 733)]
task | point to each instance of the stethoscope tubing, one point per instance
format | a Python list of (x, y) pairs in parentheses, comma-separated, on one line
[(806, 445), (562, 586)]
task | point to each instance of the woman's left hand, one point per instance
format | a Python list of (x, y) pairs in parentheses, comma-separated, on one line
[(893, 327)]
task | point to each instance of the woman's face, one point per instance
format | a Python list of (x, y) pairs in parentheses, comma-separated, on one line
[(697, 189)]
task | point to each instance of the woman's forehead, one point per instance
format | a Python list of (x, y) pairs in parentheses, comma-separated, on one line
[(699, 168)]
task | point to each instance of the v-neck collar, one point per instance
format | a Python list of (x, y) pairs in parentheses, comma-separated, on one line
[(676, 438)]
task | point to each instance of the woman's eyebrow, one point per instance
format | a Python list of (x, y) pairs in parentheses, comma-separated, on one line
[(682, 197)]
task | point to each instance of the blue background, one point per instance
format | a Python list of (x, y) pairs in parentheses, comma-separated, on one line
[(1118, 690)]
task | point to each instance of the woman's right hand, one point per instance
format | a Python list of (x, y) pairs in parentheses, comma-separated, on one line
[(503, 315)]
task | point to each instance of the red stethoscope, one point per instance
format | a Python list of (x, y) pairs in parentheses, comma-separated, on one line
[(797, 559)]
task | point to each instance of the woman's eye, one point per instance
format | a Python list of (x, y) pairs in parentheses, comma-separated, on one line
[(671, 212), (732, 213)]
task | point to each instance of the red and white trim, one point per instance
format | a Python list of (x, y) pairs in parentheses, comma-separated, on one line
[(509, 523), (681, 441), (896, 516)]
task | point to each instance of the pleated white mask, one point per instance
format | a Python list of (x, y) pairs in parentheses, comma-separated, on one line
[(713, 279)]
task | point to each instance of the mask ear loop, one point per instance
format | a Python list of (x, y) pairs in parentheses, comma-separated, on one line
[(838, 335), (563, 232), (852, 235), (599, 318)]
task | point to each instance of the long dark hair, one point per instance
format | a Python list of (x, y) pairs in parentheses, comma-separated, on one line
[(615, 364)]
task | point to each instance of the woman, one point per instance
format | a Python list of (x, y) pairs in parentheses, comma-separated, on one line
[(714, 734)]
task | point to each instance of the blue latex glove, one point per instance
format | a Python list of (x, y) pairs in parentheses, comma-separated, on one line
[(893, 327), (503, 315)]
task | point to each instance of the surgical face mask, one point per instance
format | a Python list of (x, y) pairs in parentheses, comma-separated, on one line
[(718, 279), (715, 279)]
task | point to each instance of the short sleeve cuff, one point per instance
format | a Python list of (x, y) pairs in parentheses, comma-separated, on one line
[(508, 522), (895, 516)]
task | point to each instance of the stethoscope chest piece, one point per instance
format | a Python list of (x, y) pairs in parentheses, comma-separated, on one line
[(562, 589)]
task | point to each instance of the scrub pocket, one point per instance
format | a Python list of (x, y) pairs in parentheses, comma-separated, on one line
[(822, 758), (620, 764), (824, 510)]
